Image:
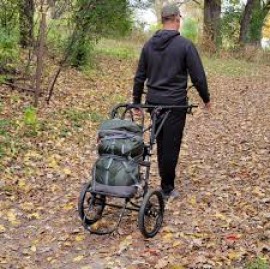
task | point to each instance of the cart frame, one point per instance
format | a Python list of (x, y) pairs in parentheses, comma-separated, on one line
[(146, 207)]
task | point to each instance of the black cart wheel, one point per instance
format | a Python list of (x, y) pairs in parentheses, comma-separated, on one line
[(90, 206), (151, 214)]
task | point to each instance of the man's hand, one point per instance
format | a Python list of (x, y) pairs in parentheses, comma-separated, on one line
[(137, 112), (207, 106)]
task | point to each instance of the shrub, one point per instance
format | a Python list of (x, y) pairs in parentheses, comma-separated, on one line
[(81, 52), (58, 35), (230, 28), (31, 121), (259, 263), (190, 29), (9, 50)]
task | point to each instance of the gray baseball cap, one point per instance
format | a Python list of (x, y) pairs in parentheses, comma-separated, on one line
[(170, 10)]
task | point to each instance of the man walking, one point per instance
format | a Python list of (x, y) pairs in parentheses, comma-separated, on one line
[(165, 62)]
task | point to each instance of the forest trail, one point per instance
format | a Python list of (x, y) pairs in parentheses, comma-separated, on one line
[(221, 220)]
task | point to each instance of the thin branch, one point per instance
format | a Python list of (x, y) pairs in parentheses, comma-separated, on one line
[(19, 87)]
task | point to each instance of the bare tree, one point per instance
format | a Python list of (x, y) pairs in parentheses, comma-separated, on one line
[(40, 51)]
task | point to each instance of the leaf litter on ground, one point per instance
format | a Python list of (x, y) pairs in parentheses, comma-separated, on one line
[(221, 219)]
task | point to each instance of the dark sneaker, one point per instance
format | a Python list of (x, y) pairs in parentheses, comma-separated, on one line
[(174, 194), (170, 195)]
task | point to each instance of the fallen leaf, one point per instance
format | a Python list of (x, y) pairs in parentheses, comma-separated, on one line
[(69, 206), (124, 244), (168, 236), (233, 237), (80, 238), (33, 216), (193, 200), (176, 243), (162, 263), (2, 229), (27, 206), (78, 258), (177, 267), (11, 216), (233, 255), (67, 171)]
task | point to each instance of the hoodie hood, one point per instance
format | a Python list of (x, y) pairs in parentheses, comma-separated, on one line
[(163, 38)]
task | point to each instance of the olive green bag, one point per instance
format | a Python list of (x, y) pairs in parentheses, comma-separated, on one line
[(120, 148)]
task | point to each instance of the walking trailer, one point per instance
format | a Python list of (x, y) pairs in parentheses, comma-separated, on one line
[(138, 196)]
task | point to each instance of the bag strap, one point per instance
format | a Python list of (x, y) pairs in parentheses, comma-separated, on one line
[(107, 171), (128, 170)]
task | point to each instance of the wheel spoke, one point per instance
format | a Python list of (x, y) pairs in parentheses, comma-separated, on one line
[(90, 206), (151, 214)]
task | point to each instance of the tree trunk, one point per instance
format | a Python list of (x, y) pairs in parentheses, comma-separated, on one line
[(40, 54), (211, 29), (259, 15), (27, 9), (245, 21)]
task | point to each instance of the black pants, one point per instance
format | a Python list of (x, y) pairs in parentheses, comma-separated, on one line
[(168, 147)]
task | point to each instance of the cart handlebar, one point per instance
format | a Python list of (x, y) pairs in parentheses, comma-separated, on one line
[(140, 107)]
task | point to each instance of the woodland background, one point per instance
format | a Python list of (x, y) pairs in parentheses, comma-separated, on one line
[(63, 65)]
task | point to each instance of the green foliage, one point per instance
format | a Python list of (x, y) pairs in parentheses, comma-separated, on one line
[(96, 117), (31, 121), (58, 36), (231, 21), (155, 27), (81, 52), (230, 28), (190, 29), (3, 126), (2, 80), (117, 48), (259, 263), (30, 116), (258, 16), (65, 132), (108, 18), (119, 98), (9, 49), (91, 21), (231, 67), (78, 117), (5, 139), (8, 15), (1, 104), (118, 52)]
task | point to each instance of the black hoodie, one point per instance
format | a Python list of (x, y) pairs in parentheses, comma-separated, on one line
[(165, 61)]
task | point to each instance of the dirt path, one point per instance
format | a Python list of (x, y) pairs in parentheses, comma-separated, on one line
[(222, 219)]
